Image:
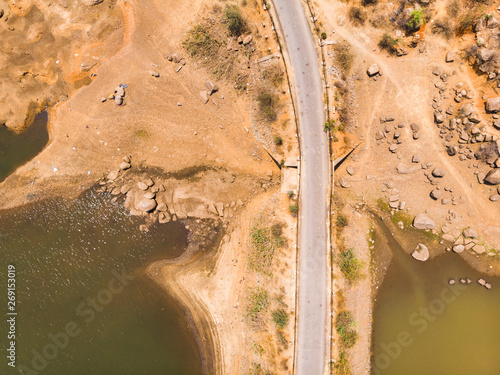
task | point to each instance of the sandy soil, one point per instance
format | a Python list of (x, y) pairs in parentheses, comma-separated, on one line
[(201, 153)]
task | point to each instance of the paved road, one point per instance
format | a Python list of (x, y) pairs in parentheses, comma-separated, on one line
[(313, 278)]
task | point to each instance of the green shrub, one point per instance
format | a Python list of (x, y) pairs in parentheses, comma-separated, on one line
[(261, 254), (416, 19), (235, 22), (344, 325), (267, 105), (350, 265), (323, 35), (280, 318), (278, 141), (294, 208)]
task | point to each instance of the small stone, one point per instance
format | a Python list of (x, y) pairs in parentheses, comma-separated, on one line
[(451, 281), (113, 175), (481, 282), (142, 186), (416, 158), (351, 170), (149, 195), (437, 172), (149, 182), (204, 96), (450, 57), (435, 194), (103, 99), (155, 74), (415, 127), (211, 87), (146, 205), (124, 166), (458, 248), (416, 135), (393, 148)]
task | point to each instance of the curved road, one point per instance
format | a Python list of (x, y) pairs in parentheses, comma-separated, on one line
[(313, 269)]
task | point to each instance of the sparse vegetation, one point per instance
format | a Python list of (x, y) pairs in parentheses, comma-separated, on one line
[(274, 74), (323, 35), (200, 42), (388, 43), (267, 105), (369, 2), (141, 133), (344, 325), (341, 221), (290, 193), (258, 303), (443, 26), (280, 318), (294, 208), (341, 365), (344, 56), (235, 22), (350, 265), (357, 16), (278, 141), (264, 242)]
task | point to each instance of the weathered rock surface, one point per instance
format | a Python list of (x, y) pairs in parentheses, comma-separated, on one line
[(470, 233), (146, 205), (211, 87), (402, 168), (372, 70), (493, 104), (421, 221), (421, 253), (493, 177)]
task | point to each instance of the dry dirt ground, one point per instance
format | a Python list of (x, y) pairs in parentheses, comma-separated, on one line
[(405, 91), (201, 153)]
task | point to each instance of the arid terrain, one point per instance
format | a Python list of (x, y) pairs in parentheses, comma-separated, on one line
[(167, 107), (427, 139), (182, 110)]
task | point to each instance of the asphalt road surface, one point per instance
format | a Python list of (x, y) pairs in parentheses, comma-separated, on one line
[(313, 279)]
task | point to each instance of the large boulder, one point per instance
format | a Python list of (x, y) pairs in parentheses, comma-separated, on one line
[(493, 177), (493, 104), (372, 70), (146, 205), (421, 253), (421, 221)]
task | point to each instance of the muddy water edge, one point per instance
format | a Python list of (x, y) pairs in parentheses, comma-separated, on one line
[(81, 268), (17, 149), (421, 323)]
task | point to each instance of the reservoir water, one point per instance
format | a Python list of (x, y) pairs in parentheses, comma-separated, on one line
[(423, 325), (83, 301), (17, 149)]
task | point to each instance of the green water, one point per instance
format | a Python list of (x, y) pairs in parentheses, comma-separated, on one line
[(17, 149), (84, 304), (423, 326)]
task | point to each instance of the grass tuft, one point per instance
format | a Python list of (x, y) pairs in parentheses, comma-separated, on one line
[(350, 266), (344, 325)]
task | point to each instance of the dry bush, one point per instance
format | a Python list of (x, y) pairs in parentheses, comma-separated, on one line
[(453, 8), (443, 26), (344, 56), (388, 43), (380, 20), (369, 2), (273, 74), (357, 16)]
